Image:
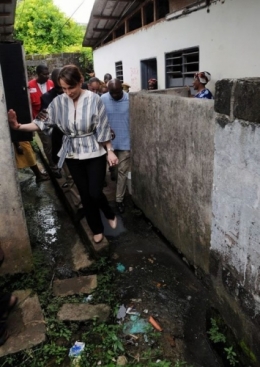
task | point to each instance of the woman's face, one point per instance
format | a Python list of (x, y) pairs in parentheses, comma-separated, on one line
[(72, 92)]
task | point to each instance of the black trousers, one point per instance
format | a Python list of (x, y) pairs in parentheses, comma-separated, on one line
[(89, 176)]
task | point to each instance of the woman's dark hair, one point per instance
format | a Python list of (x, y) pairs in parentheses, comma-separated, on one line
[(71, 75)]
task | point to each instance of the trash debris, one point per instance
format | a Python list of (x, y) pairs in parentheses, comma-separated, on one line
[(76, 349), (130, 312), (189, 298), (121, 361), (145, 311), (136, 300), (131, 268), (146, 338), (88, 298), (136, 326), (121, 312), (151, 261), (120, 267), (155, 323)]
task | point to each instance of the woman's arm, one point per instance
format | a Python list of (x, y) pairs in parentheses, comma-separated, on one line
[(12, 118), (111, 157)]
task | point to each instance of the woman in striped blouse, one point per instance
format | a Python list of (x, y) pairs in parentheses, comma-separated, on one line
[(80, 115)]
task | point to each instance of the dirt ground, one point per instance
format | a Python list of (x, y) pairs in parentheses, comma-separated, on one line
[(154, 281)]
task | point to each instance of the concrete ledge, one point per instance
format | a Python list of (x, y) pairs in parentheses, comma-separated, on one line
[(68, 287), (83, 312), (26, 325)]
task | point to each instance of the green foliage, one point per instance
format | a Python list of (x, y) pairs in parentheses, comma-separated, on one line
[(247, 351), (45, 29), (231, 356), (215, 334)]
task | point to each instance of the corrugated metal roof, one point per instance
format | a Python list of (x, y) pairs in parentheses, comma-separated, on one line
[(105, 15), (7, 14)]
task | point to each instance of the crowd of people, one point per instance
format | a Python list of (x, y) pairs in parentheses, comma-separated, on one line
[(82, 126)]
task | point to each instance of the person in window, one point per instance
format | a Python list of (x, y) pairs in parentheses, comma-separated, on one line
[(152, 84), (81, 116), (199, 83)]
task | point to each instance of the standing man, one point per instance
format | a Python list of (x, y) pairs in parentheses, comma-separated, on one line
[(37, 87), (116, 102)]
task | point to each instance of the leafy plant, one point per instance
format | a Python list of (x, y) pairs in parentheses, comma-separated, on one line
[(231, 356), (44, 29), (215, 334)]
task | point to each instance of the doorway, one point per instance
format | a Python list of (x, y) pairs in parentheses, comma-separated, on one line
[(148, 71)]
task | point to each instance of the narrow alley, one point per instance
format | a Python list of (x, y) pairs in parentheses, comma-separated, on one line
[(137, 272)]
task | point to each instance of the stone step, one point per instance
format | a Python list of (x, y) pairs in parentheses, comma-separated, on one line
[(26, 326), (68, 287), (80, 256), (83, 312)]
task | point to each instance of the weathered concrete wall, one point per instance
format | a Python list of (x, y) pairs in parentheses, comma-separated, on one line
[(235, 239), (53, 61), (172, 168), (14, 237)]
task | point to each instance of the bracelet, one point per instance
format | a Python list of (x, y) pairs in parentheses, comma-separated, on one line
[(112, 149)]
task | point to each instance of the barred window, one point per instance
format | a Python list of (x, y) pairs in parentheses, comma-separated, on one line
[(119, 71), (180, 67)]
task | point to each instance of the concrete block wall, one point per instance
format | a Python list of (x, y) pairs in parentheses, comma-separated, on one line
[(14, 238), (172, 168), (235, 238)]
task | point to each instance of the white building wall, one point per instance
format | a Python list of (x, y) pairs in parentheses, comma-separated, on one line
[(227, 37)]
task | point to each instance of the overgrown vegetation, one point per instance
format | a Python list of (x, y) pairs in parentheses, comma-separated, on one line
[(104, 342), (44, 29), (217, 336)]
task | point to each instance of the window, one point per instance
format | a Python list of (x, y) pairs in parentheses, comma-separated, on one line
[(148, 71), (148, 13), (135, 21), (162, 8), (119, 71), (180, 67)]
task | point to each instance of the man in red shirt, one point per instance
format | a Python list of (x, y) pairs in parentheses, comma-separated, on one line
[(37, 87)]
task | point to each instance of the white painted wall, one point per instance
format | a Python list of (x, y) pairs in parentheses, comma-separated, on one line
[(227, 37), (236, 200)]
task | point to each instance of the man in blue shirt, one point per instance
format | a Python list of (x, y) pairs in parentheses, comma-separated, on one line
[(116, 102)]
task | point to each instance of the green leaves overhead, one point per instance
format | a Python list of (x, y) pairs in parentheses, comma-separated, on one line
[(44, 29)]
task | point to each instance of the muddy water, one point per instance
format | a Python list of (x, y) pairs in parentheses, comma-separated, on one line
[(50, 227)]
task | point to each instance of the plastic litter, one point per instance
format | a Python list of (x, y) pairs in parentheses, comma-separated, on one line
[(136, 326), (88, 298), (76, 349), (120, 267), (121, 312), (155, 323), (130, 312), (137, 300)]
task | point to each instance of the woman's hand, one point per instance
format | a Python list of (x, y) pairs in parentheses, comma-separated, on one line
[(112, 158), (12, 119)]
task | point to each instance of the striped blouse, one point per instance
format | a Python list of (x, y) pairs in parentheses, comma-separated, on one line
[(84, 127)]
